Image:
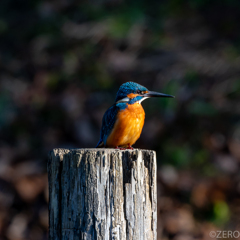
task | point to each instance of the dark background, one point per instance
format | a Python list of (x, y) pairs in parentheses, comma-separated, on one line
[(62, 63)]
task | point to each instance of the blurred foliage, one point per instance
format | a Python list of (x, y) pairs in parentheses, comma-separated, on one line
[(62, 63)]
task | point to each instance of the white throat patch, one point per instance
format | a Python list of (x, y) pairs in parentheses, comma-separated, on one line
[(142, 99), (126, 99)]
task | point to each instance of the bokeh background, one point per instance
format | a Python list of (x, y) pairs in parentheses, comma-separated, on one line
[(62, 63)]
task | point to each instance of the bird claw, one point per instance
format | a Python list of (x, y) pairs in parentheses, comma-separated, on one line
[(130, 147), (119, 148)]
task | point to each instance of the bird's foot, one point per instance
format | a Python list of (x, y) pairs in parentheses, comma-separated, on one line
[(119, 148), (130, 147)]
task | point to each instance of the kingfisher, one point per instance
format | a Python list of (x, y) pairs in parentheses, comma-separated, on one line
[(122, 123)]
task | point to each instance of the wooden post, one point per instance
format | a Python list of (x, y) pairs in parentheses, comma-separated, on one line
[(102, 194)]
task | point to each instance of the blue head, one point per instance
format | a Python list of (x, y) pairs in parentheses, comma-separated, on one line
[(131, 92)]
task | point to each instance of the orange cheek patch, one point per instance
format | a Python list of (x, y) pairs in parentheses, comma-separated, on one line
[(132, 95)]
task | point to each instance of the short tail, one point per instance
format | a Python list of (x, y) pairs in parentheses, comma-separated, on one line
[(100, 144)]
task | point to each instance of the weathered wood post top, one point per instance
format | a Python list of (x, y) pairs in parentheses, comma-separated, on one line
[(102, 194)]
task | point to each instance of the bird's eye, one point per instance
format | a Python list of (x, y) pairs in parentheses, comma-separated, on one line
[(139, 92)]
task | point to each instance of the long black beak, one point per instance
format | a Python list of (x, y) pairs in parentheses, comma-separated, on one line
[(156, 94)]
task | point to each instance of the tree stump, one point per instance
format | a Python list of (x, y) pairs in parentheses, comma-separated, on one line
[(102, 194)]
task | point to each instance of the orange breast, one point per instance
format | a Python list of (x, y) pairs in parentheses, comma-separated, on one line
[(128, 126)]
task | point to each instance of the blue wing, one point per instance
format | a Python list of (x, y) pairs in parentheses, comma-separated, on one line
[(108, 122)]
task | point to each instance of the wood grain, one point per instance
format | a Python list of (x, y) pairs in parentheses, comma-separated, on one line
[(98, 194)]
